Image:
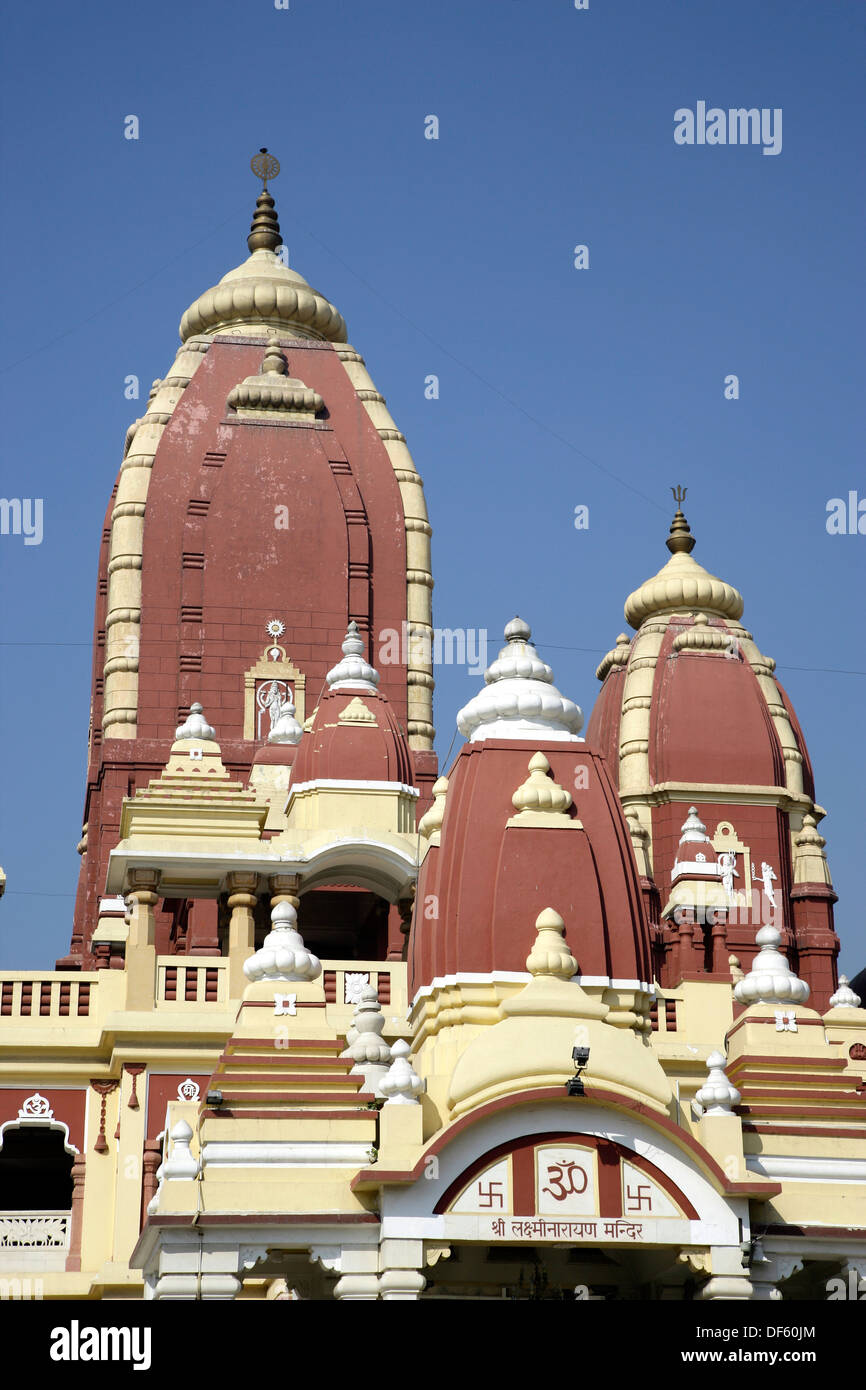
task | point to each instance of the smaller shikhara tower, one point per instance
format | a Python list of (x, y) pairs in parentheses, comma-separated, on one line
[(265, 501), (715, 780)]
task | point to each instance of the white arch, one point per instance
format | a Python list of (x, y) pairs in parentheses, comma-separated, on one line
[(43, 1121), (379, 868)]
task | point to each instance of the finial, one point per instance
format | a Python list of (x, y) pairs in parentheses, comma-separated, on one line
[(770, 980), (551, 954), (717, 1095), (195, 726), (541, 792), (368, 1021), (265, 166), (519, 699), (353, 672), (693, 830), (180, 1162), (517, 631), (402, 1085), (680, 539), (275, 360), (282, 955), (286, 729), (265, 230), (845, 997), (430, 823)]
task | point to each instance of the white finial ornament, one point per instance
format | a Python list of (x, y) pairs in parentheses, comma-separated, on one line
[(368, 1021), (693, 829), (180, 1162), (717, 1095), (286, 729), (195, 726), (845, 997), (770, 980), (402, 1085), (519, 699), (282, 955), (353, 672), (366, 1047)]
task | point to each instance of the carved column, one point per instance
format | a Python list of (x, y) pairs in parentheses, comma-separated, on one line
[(719, 936), (76, 1220), (149, 1164), (141, 946), (359, 1274), (728, 1279), (398, 946), (242, 927), (284, 889), (400, 1263)]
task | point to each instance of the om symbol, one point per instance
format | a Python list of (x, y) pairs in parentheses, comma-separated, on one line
[(560, 1173)]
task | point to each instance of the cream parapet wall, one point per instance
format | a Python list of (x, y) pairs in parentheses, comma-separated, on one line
[(123, 613)]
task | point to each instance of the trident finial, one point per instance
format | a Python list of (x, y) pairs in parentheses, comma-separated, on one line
[(680, 541), (265, 166)]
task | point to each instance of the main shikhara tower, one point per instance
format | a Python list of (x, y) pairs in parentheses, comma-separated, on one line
[(564, 1023)]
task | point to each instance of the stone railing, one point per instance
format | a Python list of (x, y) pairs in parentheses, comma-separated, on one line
[(183, 982), (47, 994), (343, 980), (35, 1230)]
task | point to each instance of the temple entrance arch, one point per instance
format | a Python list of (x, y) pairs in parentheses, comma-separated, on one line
[(566, 1199)]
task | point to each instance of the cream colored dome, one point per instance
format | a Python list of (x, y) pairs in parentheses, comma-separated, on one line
[(682, 584), (264, 293)]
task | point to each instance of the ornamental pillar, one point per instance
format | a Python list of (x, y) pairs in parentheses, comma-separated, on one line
[(149, 1182), (284, 889), (400, 1265), (242, 927), (359, 1277), (141, 945), (728, 1280), (76, 1220)]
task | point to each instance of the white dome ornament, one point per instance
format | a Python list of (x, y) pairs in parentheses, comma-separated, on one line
[(519, 699), (367, 1048), (845, 997), (353, 672), (770, 980), (282, 955), (717, 1095), (179, 1164), (694, 832), (195, 726), (402, 1085), (286, 729)]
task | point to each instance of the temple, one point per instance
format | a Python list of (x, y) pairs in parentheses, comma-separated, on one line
[(562, 1023)]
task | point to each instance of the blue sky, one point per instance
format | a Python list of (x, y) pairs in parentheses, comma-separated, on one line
[(453, 257)]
